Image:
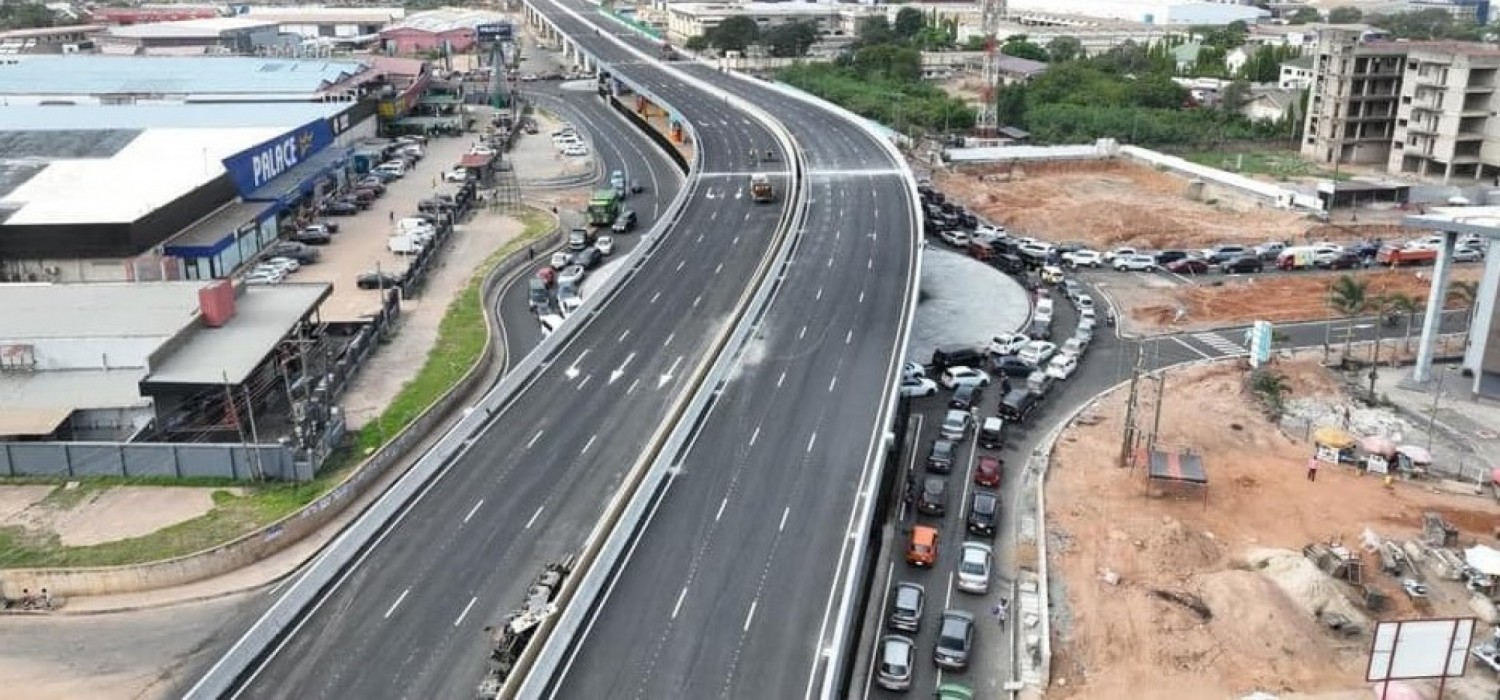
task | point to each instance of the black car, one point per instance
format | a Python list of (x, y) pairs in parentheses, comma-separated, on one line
[(940, 459), (1244, 264), (934, 497), (1018, 405), (1010, 366), (589, 258), (300, 252), (965, 397), (1225, 253), (1008, 262), (955, 356), (983, 508), (1346, 260), (377, 280), (312, 237), (1169, 256), (338, 208), (625, 222)]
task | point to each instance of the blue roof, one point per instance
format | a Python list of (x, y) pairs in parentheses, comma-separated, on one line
[(217, 115), (172, 75)]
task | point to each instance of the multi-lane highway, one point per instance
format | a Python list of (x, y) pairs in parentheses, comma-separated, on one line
[(407, 620), (731, 588)]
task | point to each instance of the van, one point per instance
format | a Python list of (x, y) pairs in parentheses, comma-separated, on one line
[(992, 433), (405, 244), (954, 356), (1295, 258), (922, 546), (1018, 405), (414, 225), (537, 296)]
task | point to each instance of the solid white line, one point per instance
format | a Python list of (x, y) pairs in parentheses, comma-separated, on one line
[(784, 513), (465, 613), (697, 299), (885, 596), (653, 298), (781, 379), (751, 616), (812, 440), (474, 510), (678, 606), (586, 379), (720, 514), (802, 333), (534, 438), (623, 336), (681, 263), (589, 444), (833, 383), (1183, 343), (396, 604), (754, 436), (668, 341), (948, 597), (534, 516), (820, 293)]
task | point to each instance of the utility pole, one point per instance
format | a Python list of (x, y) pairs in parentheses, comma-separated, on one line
[(1127, 440)]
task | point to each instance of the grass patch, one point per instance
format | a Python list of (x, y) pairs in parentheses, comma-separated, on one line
[(1282, 165), (461, 339)]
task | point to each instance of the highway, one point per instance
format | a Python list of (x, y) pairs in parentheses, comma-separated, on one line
[(730, 589), (407, 620)]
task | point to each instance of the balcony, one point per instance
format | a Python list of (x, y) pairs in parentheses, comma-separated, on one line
[(1469, 136)]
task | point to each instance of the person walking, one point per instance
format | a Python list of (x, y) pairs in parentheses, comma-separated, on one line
[(530, 254), (393, 216), (1312, 468)]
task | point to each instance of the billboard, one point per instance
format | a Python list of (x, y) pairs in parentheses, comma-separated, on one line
[(254, 167), (497, 31), (1411, 649)]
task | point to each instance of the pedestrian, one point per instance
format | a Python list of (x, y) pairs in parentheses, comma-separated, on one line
[(530, 254), (393, 216), (1312, 468)]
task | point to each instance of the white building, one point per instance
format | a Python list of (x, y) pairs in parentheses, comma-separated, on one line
[(327, 22), (1160, 12), (1296, 74), (686, 20)]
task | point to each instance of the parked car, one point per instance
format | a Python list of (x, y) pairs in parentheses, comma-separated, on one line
[(1083, 258), (940, 456), (1037, 352), (1007, 343), (966, 396), (1062, 366), (456, 175), (1243, 264), (300, 252), (987, 471), (1135, 263), (311, 237), (955, 639), (974, 565), (933, 500), (1188, 266), (984, 510), (377, 280), (918, 386), (338, 208), (1074, 346), (954, 377), (1468, 254), (907, 601)]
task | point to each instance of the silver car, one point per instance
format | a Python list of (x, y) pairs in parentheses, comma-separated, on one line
[(896, 657), (955, 639), (974, 568), (956, 424), (906, 606)]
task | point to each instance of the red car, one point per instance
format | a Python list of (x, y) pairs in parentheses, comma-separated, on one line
[(547, 275), (1188, 266), (987, 472)]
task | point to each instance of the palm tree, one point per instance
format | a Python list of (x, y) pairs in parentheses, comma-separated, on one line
[(1406, 305), (1350, 297)]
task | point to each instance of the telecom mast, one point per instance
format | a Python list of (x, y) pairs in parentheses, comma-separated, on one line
[(988, 122)]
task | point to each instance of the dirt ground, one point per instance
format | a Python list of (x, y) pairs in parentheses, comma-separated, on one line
[(96, 515), (1105, 204), (1238, 552)]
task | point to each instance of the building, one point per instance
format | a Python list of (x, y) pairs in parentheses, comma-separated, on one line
[(1421, 108), (1271, 104), (56, 80), (692, 19), (449, 28), (313, 22), (77, 38), (1296, 74), (1463, 11), (1143, 11), (220, 35), (147, 14)]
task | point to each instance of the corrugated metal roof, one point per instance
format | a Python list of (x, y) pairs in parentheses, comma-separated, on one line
[(102, 75), (447, 19), (212, 27), (206, 116)]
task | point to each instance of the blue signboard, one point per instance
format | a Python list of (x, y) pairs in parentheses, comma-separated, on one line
[(254, 167)]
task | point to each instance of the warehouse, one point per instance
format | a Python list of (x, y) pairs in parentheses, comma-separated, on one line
[(453, 28), (76, 80), (1164, 12), (327, 22), (219, 35)]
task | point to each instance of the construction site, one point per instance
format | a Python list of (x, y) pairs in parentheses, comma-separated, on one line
[(1220, 564)]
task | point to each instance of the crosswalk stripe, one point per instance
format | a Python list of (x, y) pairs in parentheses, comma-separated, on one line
[(1219, 343)]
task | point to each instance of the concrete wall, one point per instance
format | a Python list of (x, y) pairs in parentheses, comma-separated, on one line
[(68, 460)]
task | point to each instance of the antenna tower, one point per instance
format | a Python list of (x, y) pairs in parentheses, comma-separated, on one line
[(988, 122)]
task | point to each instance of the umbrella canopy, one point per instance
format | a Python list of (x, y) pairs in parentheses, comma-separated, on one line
[(1377, 445), (1495, 475), (1397, 691), (1417, 455), (1485, 559), (1333, 437)]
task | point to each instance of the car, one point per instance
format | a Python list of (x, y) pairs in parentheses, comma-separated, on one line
[(1269, 250), (339, 208), (940, 457), (481, 151), (1084, 333), (1467, 254), (1346, 260), (311, 237), (1188, 266), (1084, 258), (911, 369), (1007, 343), (984, 510), (1010, 366), (992, 430), (918, 386), (1062, 366), (897, 654), (966, 396), (1109, 257), (907, 601), (302, 253), (988, 233), (954, 377), (377, 280), (328, 227), (1018, 405), (1037, 352), (284, 264), (572, 274), (589, 258), (976, 559), (987, 471), (1074, 346), (575, 151), (1224, 253), (550, 323), (1084, 302), (953, 691), (260, 278), (1242, 264), (1166, 257), (1134, 263), (560, 259), (456, 175), (1052, 275), (957, 238), (625, 222), (1039, 383), (955, 424), (933, 500), (1036, 252), (372, 183), (922, 546), (568, 298), (605, 245), (955, 639)]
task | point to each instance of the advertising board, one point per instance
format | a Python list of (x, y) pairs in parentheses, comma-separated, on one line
[(258, 165)]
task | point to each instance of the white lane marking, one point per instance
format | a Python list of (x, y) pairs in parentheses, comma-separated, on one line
[(754, 436), (812, 441), (697, 299), (589, 444), (1183, 343), (663, 379), (632, 385), (870, 265), (465, 613), (735, 241), (534, 516), (474, 510), (653, 298), (802, 333), (820, 293), (830, 261), (751, 617), (626, 334), (682, 263), (849, 337), (885, 596), (585, 381), (948, 597), (784, 514), (396, 604), (861, 297), (718, 268), (678, 606), (617, 372), (781, 379), (833, 383), (668, 341), (534, 438), (722, 504)]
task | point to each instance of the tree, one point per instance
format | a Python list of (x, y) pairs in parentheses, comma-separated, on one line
[(27, 15), (1010, 105), (1404, 304), (1429, 24), (1064, 48), (790, 40), (1305, 15), (975, 42), (1349, 297), (734, 34), (889, 61), (1345, 15), (1234, 98), (909, 21), (1021, 47), (696, 43), (1209, 63), (1264, 64), (874, 30)]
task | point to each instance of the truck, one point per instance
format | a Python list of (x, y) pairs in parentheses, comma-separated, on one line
[(603, 207), (1394, 256), (760, 188)]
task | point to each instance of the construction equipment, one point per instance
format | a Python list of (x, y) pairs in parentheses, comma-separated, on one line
[(760, 188), (511, 638)]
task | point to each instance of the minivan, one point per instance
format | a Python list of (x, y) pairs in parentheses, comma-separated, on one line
[(405, 244), (1017, 406), (955, 355)]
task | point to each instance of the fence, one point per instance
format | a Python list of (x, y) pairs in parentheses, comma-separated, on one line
[(136, 460)]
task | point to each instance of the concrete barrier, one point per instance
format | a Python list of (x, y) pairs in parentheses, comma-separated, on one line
[(255, 546)]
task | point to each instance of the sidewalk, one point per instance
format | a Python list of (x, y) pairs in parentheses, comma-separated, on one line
[(1464, 431)]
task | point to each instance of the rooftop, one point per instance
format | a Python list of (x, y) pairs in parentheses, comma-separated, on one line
[(317, 14), (263, 315), (35, 403), (1484, 221), (448, 19), (51, 31), (212, 27), (170, 75)]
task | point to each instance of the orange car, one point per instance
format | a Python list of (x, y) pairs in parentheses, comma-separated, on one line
[(922, 549)]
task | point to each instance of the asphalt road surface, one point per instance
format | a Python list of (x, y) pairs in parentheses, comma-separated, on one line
[(407, 620), (729, 590)]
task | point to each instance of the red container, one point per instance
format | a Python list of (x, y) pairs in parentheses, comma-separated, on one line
[(216, 303)]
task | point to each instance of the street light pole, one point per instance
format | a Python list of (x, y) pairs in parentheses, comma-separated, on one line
[(1432, 415)]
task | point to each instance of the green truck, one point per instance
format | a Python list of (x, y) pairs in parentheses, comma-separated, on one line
[(603, 207)]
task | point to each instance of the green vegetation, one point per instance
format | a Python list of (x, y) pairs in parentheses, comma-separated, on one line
[(1426, 25), (1281, 165), (461, 340), (30, 15), (1272, 389)]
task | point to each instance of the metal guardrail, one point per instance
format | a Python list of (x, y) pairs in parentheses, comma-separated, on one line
[(346, 549), (626, 512)]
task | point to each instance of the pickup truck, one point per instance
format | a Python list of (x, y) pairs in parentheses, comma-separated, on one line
[(1405, 256)]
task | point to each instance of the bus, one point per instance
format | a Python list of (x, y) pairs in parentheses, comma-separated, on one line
[(603, 207)]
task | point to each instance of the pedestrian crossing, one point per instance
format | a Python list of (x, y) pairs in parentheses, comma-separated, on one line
[(1219, 343)]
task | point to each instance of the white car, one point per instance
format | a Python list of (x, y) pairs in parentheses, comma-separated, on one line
[(1035, 251), (550, 322), (1037, 352), (974, 568), (954, 237), (605, 244), (1112, 255), (1084, 301), (913, 369), (988, 234), (1084, 258), (568, 298), (481, 151), (1008, 343), (1074, 346), (1134, 263), (560, 259), (955, 377), (262, 278), (1062, 366), (575, 151), (572, 274), (456, 175), (1468, 255), (918, 386), (285, 263)]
